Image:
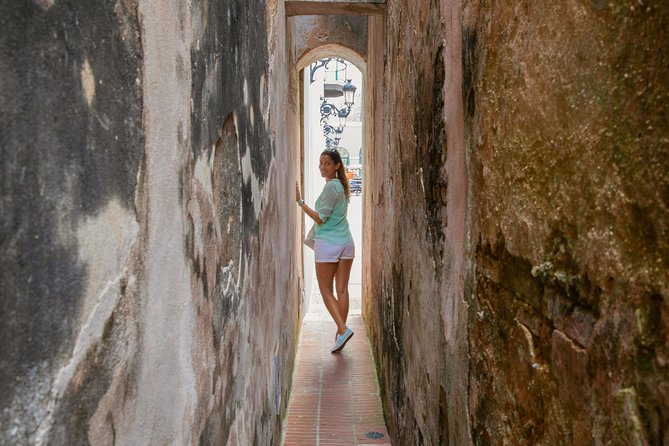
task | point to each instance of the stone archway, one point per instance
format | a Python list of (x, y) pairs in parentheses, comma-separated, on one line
[(332, 50)]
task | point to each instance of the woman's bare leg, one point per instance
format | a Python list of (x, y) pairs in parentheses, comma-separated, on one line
[(325, 273), (341, 283)]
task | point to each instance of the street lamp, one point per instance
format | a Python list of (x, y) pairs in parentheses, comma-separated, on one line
[(327, 110), (342, 115), (349, 94)]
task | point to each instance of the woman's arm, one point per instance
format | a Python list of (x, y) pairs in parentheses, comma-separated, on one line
[(311, 213), (307, 210)]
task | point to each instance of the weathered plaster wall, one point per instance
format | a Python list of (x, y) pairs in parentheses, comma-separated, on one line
[(415, 200), (149, 291), (311, 32), (72, 147), (518, 293)]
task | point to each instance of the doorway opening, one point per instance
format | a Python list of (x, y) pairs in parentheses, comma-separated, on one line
[(332, 118)]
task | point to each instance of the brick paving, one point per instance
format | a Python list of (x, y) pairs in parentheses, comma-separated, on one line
[(335, 397)]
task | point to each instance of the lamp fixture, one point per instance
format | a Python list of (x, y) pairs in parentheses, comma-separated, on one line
[(328, 110), (349, 94)]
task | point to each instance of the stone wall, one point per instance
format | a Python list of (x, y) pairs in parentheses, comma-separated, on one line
[(567, 118), (561, 291), (149, 294)]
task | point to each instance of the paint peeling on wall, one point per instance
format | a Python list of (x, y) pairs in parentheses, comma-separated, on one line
[(138, 220)]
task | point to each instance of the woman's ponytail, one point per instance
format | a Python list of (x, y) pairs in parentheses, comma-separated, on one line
[(341, 173)]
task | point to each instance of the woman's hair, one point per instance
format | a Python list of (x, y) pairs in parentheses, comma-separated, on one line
[(341, 172)]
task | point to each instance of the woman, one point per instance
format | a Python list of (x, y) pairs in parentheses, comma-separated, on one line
[(334, 248)]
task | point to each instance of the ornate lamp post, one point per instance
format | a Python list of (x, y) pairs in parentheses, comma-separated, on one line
[(349, 94), (332, 90), (330, 110)]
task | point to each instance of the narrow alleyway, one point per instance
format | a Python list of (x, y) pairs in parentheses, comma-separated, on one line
[(516, 224), (335, 398)]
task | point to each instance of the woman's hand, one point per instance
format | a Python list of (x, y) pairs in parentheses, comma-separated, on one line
[(307, 210)]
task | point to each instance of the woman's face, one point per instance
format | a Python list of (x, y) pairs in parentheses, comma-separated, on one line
[(328, 167)]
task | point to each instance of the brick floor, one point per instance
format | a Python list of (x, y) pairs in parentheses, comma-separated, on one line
[(335, 398)]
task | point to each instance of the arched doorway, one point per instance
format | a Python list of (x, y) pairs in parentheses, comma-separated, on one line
[(322, 71)]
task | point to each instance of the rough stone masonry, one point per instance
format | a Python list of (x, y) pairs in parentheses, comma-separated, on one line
[(519, 293)]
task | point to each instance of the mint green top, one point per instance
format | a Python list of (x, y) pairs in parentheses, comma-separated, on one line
[(332, 207)]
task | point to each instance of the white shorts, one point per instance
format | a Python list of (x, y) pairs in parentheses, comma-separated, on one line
[(328, 253)]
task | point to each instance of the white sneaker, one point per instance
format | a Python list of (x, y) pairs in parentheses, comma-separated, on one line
[(341, 341)]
